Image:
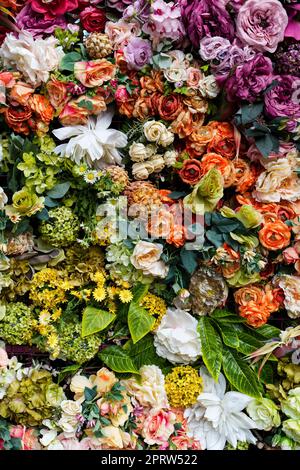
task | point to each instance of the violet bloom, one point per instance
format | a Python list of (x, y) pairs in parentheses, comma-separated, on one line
[(250, 79), (212, 48), (261, 24), (282, 100), (206, 18), (36, 24), (138, 53), (293, 27)]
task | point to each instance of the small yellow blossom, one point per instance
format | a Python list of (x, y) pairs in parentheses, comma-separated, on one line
[(56, 314), (155, 306), (99, 278), (52, 341), (125, 296), (112, 307), (99, 294), (183, 386)]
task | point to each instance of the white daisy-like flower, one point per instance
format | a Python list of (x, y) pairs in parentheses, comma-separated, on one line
[(95, 144), (91, 176)]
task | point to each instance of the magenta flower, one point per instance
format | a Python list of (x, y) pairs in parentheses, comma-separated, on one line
[(293, 27)]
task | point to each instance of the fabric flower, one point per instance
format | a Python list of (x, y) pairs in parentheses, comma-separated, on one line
[(291, 287), (36, 23), (53, 8), (177, 339), (217, 416), (146, 257), (281, 101), (93, 19), (94, 143), (138, 53), (264, 413), (261, 24), (158, 426)]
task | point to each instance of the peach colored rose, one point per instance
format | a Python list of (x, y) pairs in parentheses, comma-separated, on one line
[(21, 92), (254, 314), (193, 77), (183, 124), (160, 224), (248, 294), (245, 177), (290, 255), (94, 72), (3, 358), (73, 115), (225, 166), (169, 107), (41, 106), (58, 93), (158, 426), (275, 235)]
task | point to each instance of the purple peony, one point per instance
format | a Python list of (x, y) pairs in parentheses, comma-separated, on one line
[(119, 5), (138, 53), (206, 18), (283, 99), (250, 79), (36, 24), (261, 24)]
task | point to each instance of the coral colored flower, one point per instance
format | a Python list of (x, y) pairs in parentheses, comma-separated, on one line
[(254, 314), (21, 93), (41, 106), (225, 166), (93, 19), (191, 172), (94, 73), (275, 235), (17, 118), (169, 107), (158, 426), (58, 93)]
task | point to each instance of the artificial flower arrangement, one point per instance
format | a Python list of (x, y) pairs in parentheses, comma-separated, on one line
[(149, 217)]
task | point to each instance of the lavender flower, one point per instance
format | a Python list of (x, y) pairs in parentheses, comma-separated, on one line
[(138, 53)]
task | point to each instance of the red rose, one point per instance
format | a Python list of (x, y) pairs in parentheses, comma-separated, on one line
[(169, 107), (93, 19), (191, 172)]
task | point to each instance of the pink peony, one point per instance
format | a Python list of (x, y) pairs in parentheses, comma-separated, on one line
[(53, 8), (261, 24), (158, 426)]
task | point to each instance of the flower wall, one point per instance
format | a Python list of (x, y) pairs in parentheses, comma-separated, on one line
[(149, 224)]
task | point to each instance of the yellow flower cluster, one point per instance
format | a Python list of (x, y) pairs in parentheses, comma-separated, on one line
[(155, 306), (48, 288), (183, 385)]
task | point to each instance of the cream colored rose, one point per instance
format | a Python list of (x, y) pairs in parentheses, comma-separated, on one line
[(138, 152), (149, 389), (104, 380), (208, 87), (291, 288), (166, 138), (174, 75), (68, 424), (269, 183), (78, 384), (141, 171), (112, 437), (157, 163), (153, 130), (146, 257), (70, 407), (170, 157)]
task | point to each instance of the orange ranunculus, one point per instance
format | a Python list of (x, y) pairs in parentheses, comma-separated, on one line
[(198, 140), (143, 108), (191, 171), (248, 294), (94, 73), (169, 107), (225, 166), (285, 211), (230, 261), (244, 176), (184, 124), (223, 141), (41, 106), (153, 83), (272, 298), (275, 235), (195, 102), (58, 94), (20, 93), (160, 223), (254, 314), (177, 236), (17, 119), (73, 115)]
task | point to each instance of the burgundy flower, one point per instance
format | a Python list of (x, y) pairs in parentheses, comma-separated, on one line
[(93, 19)]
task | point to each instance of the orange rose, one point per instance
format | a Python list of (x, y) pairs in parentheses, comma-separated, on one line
[(226, 168), (153, 83), (244, 176), (143, 108), (94, 104), (184, 124), (223, 141), (160, 223), (191, 171), (254, 314), (17, 118), (275, 235), (41, 106), (73, 115), (94, 72), (248, 294), (169, 107), (58, 93), (196, 103), (177, 236), (21, 93)]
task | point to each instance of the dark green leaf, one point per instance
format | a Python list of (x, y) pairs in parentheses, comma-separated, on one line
[(211, 346), (59, 191), (189, 260), (268, 331), (250, 112), (68, 61), (118, 360), (43, 214), (69, 370), (140, 322), (90, 393), (239, 374), (229, 335)]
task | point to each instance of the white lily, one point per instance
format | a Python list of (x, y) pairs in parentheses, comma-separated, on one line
[(94, 143), (217, 416)]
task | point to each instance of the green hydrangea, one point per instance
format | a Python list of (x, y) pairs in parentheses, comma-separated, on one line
[(240, 446), (120, 268), (265, 413), (32, 399), (291, 406), (16, 327), (61, 229)]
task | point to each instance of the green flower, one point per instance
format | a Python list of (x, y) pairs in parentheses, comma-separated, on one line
[(61, 229), (291, 427), (16, 327), (265, 413), (284, 442), (25, 203), (291, 406), (206, 194), (242, 278), (247, 215)]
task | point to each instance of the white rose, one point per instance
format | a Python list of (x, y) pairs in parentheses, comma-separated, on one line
[(71, 407), (34, 58), (149, 389), (112, 437), (138, 152), (153, 130), (209, 87), (151, 150), (141, 171), (3, 198), (174, 75), (158, 163), (177, 339), (145, 257), (166, 138), (68, 424), (170, 157)]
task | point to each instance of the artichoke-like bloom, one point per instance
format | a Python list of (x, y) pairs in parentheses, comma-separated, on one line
[(93, 143)]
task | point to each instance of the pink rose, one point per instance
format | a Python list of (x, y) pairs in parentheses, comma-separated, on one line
[(54, 8), (94, 72), (28, 437), (121, 95), (290, 255), (193, 77), (3, 358), (158, 426)]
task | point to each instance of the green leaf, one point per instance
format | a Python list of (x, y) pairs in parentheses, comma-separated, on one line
[(86, 104), (43, 214), (177, 195), (70, 370), (211, 347), (118, 360), (95, 320), (139, 292), (144, 353), (90, 393), (220, 313), (50, 202), (268, 331), (247, 343), (239, 374), (140, 322), (68, 61), (229, 336), (59, 191), (267, 144), (189, 260), (250, 112)]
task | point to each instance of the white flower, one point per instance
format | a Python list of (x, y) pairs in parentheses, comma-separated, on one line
[(68, 424), (177, 339), (208, 87), (146, 257), (138, 152), (149, 389), (174, 75), (157, 163), (153, 130), (70, 407), (49, 437), (291, 288), (166, 138), (142, 170), (3, 198), (170, 157), (34, 58), (217, 416), (94, 143)]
